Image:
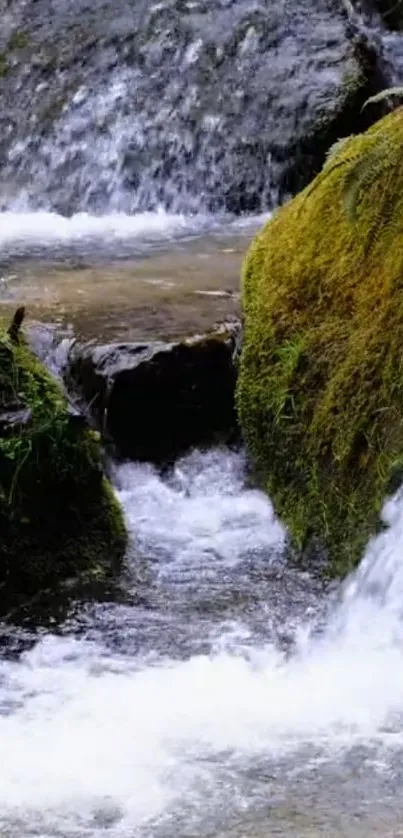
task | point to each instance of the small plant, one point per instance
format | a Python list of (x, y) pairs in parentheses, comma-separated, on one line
[(363, 170), (384, 95)]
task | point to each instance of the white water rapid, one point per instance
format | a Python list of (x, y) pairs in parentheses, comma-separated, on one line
[(113, 235), (226, 700), (27, 233)]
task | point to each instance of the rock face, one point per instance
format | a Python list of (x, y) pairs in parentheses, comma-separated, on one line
[(248, 91), (391, 12), (153, 401), (58, 515), (320, 392)]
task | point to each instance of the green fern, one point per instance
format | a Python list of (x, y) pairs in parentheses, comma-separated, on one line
[(362, 174), (372, 174), (367, 169), (332, 163), (336, 148), (383, 95)]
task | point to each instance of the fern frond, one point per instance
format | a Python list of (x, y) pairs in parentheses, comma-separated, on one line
[(335, 148), (329, 167), (362, 175), (384, 210), (384, 94), (361, 170)]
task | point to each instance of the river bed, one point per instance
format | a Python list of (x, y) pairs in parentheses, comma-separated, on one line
[(126, 286)]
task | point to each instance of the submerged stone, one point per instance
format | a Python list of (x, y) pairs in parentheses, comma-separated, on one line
[(320, 393), (154, 401), (58, 515)]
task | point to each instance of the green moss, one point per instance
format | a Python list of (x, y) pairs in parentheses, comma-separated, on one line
[(58, 514), (18, 40), (320, 393)]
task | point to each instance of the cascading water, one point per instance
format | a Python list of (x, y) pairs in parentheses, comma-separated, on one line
[(177, 113), (176, 104), (226, 700), (191, 106), (226, 693)]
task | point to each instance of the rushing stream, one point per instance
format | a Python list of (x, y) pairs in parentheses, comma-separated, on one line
[(231, 697), (222, 691)]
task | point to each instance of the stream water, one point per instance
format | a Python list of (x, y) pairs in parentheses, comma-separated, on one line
[(119, 277), (227, 695), (221, 692)]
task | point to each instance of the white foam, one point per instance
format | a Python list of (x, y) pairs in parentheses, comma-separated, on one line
[(88, 732), (202, 511), (47, 228), (21, 231)]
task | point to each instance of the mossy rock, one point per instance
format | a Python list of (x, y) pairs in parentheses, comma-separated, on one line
[(59, 517), (320, 392)]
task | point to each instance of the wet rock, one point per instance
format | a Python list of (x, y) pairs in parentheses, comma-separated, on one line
[(16, 323), (153, 401), (371, 74), (243, 88)]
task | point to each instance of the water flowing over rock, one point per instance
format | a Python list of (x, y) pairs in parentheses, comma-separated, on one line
[(217, 686), (189, 105), (153, 401)]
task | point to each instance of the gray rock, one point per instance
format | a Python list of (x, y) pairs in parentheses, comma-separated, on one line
[(208, 105), (153, 401)]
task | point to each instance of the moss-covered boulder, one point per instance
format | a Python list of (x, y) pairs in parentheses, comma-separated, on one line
[(58, 515), (320, 393)]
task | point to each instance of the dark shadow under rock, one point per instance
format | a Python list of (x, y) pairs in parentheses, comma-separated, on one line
[(154, 401), (391, 12)]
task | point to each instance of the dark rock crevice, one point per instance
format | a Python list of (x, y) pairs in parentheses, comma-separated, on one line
[(153, 402)]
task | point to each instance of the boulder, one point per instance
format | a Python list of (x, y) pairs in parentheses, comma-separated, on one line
[(253, 94), (153, 401), (366, 75), (320, 390), (59, 517)]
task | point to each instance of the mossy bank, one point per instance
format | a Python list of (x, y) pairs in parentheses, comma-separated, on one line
[(58, 515), (320, 392)]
